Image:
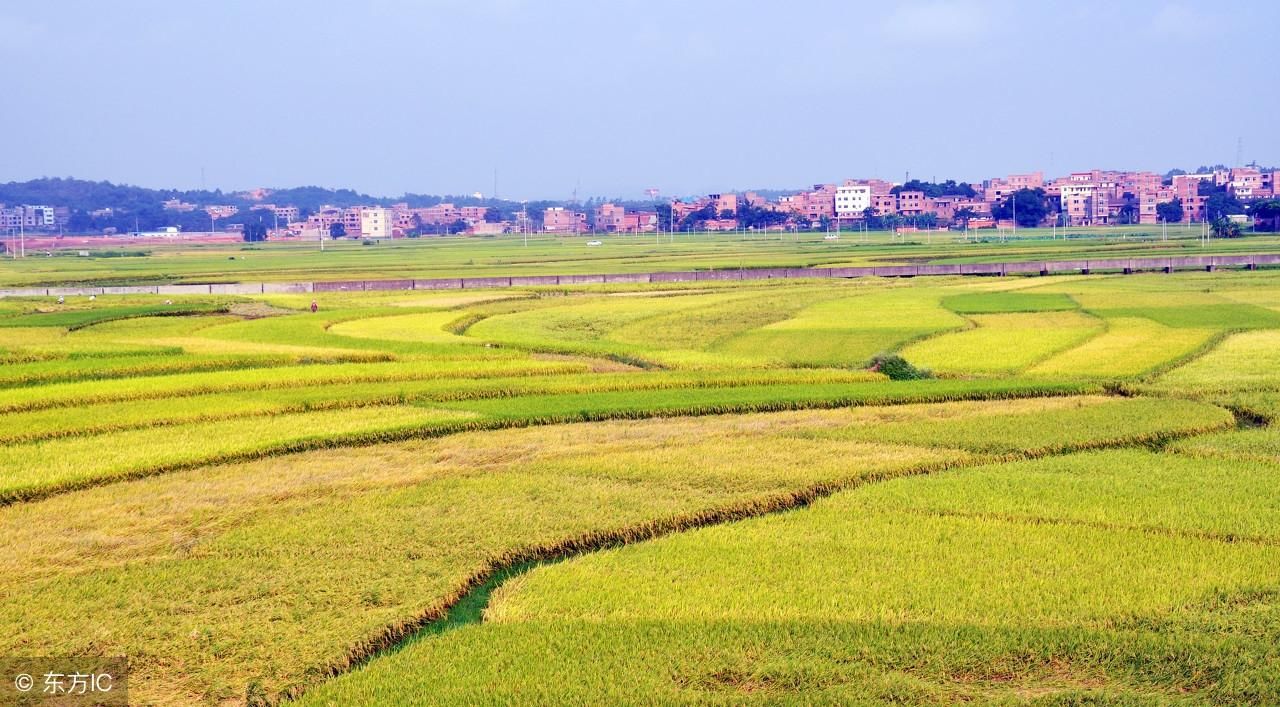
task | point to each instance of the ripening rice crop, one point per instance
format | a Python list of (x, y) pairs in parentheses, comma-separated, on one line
[(182, 384), (1005, 302), (1034, 426), (1122, 488), (1261, 443), (898, 565), (1003, 343), (705, 327), (847, 331), (271, 570), (37, 469), (75, 318), (707, 400), (583, 326), (1244, 361), (1101, 577), (423, 327), (1205, 316), (425, 299), (70, 419), (1129, 347)]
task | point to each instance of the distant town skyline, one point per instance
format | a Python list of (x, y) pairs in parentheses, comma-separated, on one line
[(611, 99)]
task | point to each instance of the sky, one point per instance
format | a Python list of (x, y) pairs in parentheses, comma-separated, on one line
[(610, 97)]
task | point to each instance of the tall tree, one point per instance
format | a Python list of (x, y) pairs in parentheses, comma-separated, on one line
[(1032, 207), (255, 231), (1266, 214), (1170, 211), (1224, 227)]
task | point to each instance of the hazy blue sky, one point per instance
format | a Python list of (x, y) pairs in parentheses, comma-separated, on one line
[(614, 96)]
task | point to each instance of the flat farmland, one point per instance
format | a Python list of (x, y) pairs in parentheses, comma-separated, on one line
[(996, 490), (126, 261)]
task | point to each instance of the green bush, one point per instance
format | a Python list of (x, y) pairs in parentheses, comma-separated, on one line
[(898, 368)]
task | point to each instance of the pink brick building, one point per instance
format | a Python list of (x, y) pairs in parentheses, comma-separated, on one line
[(558, 219), (911, 203)]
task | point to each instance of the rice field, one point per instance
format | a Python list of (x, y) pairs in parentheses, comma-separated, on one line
[(992, 490)]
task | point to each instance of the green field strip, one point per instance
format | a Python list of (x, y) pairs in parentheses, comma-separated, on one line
[(88, 418), (189, 384), (36, 470)]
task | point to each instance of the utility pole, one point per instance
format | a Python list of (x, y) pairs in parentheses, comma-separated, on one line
[(1015, 214)]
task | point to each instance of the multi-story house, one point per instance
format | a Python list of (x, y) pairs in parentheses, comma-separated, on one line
[(558, 219), (911, 203), (852, 199)]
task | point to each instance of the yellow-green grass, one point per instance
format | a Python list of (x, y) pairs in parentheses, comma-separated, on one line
[(704, 327), (422, 327), (448, 299), (97, 418), (990, 585), (1255, 444), (1244, 361), (1129, 489), (138, 364), (1034, 426), (183, 384), (675, 331), (1003, 343), (706, 400), (273, 570), (823, 662), (307, 329), (897, 565), (1202, 316), (1130, 347), (59, 462), (37, 469), (79, 317), (1005, 302), (847, 331), (586, 324)]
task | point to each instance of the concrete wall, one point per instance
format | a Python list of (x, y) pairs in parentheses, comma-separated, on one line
[(451, 283), (631, 277), (389, 285), (536, 280), (469, 283), (582, 279)]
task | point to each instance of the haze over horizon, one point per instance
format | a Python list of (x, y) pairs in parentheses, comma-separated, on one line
[(609, 99)]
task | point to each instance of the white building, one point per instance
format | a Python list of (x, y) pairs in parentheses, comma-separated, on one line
[(376, 222), (33, 217), (852, 200)]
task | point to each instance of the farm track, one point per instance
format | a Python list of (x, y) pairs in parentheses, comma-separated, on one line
[(467, 604)]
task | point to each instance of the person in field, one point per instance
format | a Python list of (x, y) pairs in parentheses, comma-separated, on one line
[(314, 306)]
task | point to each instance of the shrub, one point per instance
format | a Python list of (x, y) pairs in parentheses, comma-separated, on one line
[(898, 368)]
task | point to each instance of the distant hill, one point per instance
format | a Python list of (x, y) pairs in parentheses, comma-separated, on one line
[(143, 208)]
